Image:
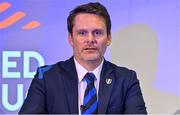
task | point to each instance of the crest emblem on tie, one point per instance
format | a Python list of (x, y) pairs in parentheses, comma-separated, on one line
[(108, 81)]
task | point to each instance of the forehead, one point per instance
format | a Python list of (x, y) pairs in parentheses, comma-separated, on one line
[(87, 20)]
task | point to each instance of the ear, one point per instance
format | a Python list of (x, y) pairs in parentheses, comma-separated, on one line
[(109, 40), (70, 39)]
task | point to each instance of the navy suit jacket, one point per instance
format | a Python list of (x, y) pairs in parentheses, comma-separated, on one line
[(54, 89)]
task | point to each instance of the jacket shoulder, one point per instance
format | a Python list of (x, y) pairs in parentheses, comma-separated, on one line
[(120, 69), (42, 71)]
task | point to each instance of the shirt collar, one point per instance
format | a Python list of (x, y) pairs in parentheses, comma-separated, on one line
[(81, 71)]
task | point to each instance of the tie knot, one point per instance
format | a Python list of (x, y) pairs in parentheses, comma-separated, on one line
[(90, 77)]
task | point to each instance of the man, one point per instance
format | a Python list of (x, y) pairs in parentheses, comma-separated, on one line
[(86, 83)]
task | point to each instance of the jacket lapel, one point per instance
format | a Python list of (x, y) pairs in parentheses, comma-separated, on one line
[(71, 84), (105, 87)]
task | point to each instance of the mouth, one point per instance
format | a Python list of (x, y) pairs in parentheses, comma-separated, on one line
[(90, 49)]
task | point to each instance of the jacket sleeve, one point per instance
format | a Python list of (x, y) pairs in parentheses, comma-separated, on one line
[(35, 101), (134, 102)]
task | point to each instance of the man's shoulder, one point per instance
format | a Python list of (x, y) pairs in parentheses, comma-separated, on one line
[(53, 69), (120, 69)]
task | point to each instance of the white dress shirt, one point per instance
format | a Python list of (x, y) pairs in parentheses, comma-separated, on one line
[(81, 71)]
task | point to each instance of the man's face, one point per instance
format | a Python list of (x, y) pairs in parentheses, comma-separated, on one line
[(89, 38)]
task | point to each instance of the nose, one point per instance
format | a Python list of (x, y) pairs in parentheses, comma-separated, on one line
[(91, 39)]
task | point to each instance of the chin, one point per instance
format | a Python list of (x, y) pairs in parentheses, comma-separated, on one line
[(92, 58)]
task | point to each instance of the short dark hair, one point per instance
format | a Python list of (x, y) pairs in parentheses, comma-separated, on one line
[(92, 8)]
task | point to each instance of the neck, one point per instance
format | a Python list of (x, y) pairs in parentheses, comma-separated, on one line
[(91, 64)]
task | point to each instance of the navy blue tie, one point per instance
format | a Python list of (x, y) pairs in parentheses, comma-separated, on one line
[(90, 97)]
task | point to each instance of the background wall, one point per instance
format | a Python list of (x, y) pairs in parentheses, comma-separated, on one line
[(146, 38)]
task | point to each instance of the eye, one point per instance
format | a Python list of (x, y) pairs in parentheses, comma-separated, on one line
[(98, 32), (82, 33)]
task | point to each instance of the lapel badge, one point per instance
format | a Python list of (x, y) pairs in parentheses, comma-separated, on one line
[(108, 81)]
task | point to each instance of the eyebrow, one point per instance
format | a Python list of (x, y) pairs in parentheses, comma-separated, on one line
[(96, 29), (99, 30)]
